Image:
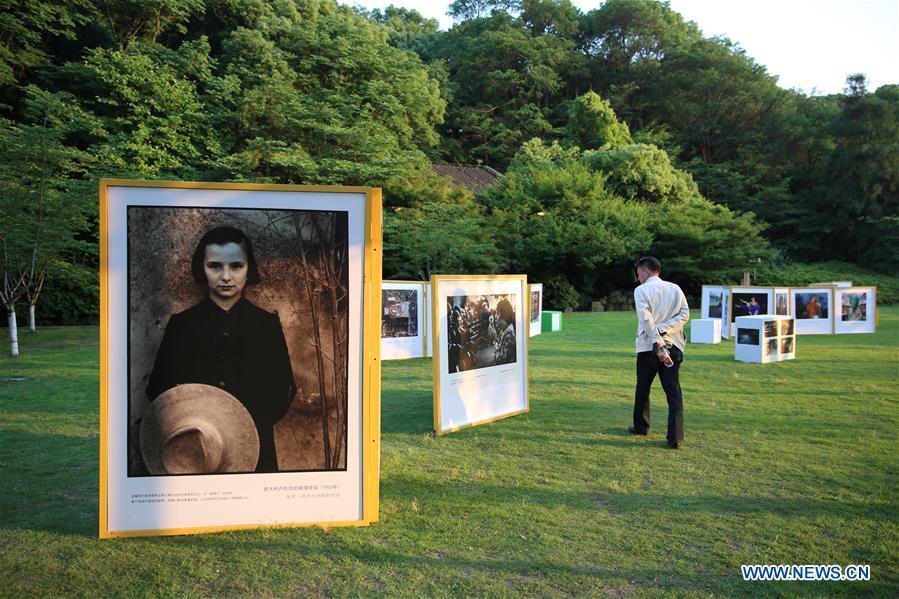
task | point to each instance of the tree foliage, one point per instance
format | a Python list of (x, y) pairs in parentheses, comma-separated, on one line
[(623, 130)]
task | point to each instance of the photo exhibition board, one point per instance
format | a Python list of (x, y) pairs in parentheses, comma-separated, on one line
[(480, 349), (404, 330), (715, 300), (749, 301), (855, 310), (535, 311), (764, 339), (297, 300), (813, 308)]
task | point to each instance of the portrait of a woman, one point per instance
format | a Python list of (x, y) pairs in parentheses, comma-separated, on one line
[(228, 342)]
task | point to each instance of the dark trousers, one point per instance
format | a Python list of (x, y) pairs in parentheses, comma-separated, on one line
[(648, 365)]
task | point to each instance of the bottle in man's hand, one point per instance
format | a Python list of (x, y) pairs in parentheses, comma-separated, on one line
[(663, 354)]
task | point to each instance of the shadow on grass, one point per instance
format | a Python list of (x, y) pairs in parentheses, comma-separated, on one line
[(489, 495), (51, 482), (407, 411)]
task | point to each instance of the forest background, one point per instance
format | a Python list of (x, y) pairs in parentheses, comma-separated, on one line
[(620, 132)]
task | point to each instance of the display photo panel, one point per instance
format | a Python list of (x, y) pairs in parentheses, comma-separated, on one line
[(813, 310), (480, 349), (536, 308), (403, 330), (714, 300), (857, 310), (239, 356), (750, 301)]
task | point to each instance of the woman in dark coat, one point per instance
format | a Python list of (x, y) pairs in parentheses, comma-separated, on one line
[(228, 342)]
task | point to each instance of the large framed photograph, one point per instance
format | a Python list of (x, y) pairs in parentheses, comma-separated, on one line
[(404, 330), (535, 310), (813, 309), (750, 301), (239, 356), (480, 349), (857, 310)]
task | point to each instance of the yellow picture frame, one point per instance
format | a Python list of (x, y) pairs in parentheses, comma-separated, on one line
[(369, 368), (436, 281)]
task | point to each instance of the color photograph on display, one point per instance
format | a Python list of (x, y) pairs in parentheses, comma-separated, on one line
[(770, 328), (749, 304), (812, 305), (786, 345), (481, 332), (781, 303), (857, 310), (480, 349), (747, 336), (772, 346), (786, 327), (236, 328), (812, 309), (854, 307), (399, 309)]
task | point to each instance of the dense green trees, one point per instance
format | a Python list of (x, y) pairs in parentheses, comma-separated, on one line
[(708, 163)]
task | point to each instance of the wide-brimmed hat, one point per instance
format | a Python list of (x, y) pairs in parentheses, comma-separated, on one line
[(198, 429)]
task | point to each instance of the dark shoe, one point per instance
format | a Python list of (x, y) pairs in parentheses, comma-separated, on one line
[(634, 431), (673, 444)]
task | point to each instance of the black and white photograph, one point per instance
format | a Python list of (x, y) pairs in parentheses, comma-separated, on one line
[(399, 313), (238, 319), (481, 331), (480, 366), (238, 354), (772, 346), (770, 328), (535, 305), (747, 336)]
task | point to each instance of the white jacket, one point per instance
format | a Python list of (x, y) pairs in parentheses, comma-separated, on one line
[(661, 308)]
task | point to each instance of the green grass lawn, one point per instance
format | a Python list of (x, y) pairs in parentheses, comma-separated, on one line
[(792, 463)]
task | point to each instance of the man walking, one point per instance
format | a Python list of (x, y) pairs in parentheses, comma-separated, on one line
[(662, 312)]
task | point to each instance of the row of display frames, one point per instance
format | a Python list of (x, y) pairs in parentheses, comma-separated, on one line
[(835, 307), (407, 323)]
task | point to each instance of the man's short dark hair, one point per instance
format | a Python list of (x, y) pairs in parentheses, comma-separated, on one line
[(650, 263), (221, 236)]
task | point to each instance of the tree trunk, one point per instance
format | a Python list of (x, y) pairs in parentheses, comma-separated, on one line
[(13, 332), (31, 326)]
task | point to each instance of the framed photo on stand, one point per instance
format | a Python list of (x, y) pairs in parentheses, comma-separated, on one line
[(239, 352), (480, 336)]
